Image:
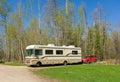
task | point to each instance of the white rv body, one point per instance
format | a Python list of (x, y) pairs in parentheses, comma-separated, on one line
[(51, 54)]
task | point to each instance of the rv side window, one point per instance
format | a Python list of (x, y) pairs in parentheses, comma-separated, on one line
[(74, 52), (38, 52), (48, 52), (59, 52)]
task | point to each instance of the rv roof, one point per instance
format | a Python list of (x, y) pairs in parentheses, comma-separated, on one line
[(49, 46)]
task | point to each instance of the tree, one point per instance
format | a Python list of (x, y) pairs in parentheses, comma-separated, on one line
[(83, 26), (100, 32), (116, 45), (1, 48), (15, 38), (4, 10)]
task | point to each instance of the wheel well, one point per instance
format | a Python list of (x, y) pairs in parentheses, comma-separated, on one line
[(65, 61), (39, 62)]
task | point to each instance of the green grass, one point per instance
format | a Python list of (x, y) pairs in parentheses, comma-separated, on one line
[(83, 73), (14, 64)]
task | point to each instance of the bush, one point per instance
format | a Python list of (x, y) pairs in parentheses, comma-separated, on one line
[(1, 61)]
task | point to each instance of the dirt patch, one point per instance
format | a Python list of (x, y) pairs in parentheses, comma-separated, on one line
[(21, 74)]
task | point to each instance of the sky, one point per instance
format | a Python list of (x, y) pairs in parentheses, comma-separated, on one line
[(111, 7)]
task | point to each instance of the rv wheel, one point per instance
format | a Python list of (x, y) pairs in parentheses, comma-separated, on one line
[(65, 63), (38, 64)]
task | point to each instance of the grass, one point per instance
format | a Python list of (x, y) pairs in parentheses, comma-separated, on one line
[(83, 73), (14, 64)]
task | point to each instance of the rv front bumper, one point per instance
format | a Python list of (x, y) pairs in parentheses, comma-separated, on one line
[(31, 61)]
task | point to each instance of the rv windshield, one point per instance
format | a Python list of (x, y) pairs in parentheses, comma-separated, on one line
[(29, 52)]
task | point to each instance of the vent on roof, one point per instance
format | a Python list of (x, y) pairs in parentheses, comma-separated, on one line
[(71, 46), (50, 45), (64, 46)]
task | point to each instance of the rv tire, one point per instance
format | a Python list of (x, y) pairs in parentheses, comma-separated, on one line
[(65, 63), (38, 64)]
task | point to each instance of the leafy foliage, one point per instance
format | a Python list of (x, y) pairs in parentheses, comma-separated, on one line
[(57, 24)]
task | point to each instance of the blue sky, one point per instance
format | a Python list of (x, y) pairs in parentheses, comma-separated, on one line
[(111, 7)]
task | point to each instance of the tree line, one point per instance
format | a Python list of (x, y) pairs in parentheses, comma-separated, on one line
[(56, 24)]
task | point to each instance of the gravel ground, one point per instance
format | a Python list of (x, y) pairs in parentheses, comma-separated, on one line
[(21, 74)]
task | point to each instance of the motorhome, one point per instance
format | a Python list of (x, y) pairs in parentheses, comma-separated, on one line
[(51, 54)]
